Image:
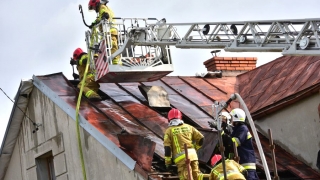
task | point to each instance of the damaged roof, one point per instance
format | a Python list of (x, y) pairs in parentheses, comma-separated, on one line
[(127, 112), (279, 83)]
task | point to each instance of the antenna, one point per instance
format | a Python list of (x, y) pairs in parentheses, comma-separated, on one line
[(215, 52)]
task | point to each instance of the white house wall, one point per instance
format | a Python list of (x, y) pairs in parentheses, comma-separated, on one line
[(296, 128), (16, 169), (57, 134)]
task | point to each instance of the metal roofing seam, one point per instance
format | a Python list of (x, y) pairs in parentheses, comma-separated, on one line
[(188, 98), (102, 88)]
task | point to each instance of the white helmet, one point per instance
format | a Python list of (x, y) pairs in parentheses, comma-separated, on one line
[(227, 115), (238, 115)]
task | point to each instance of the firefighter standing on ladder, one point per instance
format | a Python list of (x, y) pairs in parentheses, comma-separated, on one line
[(91, 87), (105, 12), (175, 137)]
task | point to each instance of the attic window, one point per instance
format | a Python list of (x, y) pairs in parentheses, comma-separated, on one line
[(45, 167)]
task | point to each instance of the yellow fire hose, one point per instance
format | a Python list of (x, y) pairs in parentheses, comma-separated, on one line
[(78, 106)]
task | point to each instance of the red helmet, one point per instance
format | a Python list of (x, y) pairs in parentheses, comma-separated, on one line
[(174, 114), (216, 158), (77, 53), (93, 4)]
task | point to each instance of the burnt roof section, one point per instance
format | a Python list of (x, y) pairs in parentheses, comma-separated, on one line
[(127, 111), (279, 83)]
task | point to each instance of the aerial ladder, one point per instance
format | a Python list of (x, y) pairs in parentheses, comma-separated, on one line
[(144, 48), (144, 43)]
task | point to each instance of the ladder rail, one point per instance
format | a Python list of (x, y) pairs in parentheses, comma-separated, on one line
[(291, 37), (266, 36)]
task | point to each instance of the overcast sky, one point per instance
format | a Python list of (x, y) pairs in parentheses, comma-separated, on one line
[(39, 37)]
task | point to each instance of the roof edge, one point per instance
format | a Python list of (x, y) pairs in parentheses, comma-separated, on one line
[(286, 101), (13, 128), (107, 143)]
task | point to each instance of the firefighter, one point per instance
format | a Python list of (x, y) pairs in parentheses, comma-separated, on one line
[(175, 137), (105, 12), (234, 171), (91, 87), (227, 130), (243, 140)]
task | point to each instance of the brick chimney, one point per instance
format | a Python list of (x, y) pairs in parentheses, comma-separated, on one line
[(231, 66)]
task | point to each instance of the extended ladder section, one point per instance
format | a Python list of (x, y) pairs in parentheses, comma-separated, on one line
[(144, 44), (291, 37)]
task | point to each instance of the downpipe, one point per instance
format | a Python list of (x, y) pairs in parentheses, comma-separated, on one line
[(255, 134)]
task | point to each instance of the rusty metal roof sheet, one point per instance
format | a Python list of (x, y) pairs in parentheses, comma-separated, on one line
[(280, 82), (127, 112)]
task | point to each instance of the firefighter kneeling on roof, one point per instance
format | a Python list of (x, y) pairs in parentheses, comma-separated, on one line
[(90, 87), (175, 137)]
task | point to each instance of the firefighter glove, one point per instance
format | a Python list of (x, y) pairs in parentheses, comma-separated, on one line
[(92, 24), (213, 124), (105, 15), (75, 76), (73, 62)]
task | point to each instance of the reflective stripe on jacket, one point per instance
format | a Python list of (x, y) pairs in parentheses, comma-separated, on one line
[(243, 139), (176, 136), (234, 171)]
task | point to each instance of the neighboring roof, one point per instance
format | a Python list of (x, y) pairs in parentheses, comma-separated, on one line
[(279, 83)]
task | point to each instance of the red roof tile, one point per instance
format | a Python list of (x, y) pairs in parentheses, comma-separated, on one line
[(268, 85)]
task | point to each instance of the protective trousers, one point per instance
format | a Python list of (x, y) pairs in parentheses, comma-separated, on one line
[(252, 174), (194, 168), (90, 87), (114, 46)]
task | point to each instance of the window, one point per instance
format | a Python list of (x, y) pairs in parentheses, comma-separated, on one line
[(45, 167)]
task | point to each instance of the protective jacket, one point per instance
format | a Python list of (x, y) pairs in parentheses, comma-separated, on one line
[(90, 87), (243, 140), (81, 66), (176, 136), (234, 171), (227, 142), (107, 10)]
